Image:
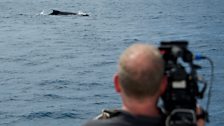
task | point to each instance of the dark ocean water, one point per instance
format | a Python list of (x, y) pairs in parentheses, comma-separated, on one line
[(57, 70)]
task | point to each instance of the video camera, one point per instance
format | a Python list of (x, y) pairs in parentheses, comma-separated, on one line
[(183, 89)]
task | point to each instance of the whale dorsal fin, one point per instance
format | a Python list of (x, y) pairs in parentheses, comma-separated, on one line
[(55, 11)]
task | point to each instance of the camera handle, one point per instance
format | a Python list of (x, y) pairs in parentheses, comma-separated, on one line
[(181, 117)]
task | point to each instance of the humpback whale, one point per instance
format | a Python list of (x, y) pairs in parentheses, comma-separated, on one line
[(57, 12)]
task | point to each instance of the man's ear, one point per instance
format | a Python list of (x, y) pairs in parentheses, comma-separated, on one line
[(163, 85), (117, 83)]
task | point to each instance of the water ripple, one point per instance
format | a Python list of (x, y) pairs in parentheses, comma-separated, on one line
[(53, 115)]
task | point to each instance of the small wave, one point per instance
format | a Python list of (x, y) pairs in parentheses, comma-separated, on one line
[(103, 63), (99, 103), (53, 96), (53, 115), (52, 82)]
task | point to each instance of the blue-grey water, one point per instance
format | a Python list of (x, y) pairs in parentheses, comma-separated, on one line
[(57, 70)]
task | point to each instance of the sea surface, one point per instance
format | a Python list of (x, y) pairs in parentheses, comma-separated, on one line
[(58, 70)]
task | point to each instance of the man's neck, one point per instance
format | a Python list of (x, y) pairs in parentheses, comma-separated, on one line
[(146, 108)]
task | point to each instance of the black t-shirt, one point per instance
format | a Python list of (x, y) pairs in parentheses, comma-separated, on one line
[(125, 119)]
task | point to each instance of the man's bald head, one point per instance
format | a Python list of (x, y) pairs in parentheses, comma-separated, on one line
[(140, 70)]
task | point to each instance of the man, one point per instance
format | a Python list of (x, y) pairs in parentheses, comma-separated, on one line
[(140, 82)]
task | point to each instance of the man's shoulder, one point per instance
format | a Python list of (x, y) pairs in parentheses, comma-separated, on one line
[(107, 118), (106, 122), (121, 118)]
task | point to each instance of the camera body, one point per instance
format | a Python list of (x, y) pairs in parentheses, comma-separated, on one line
[(180, 97)]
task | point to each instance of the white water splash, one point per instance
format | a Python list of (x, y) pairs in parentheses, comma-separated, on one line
[(42, 13), (82, 13)]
